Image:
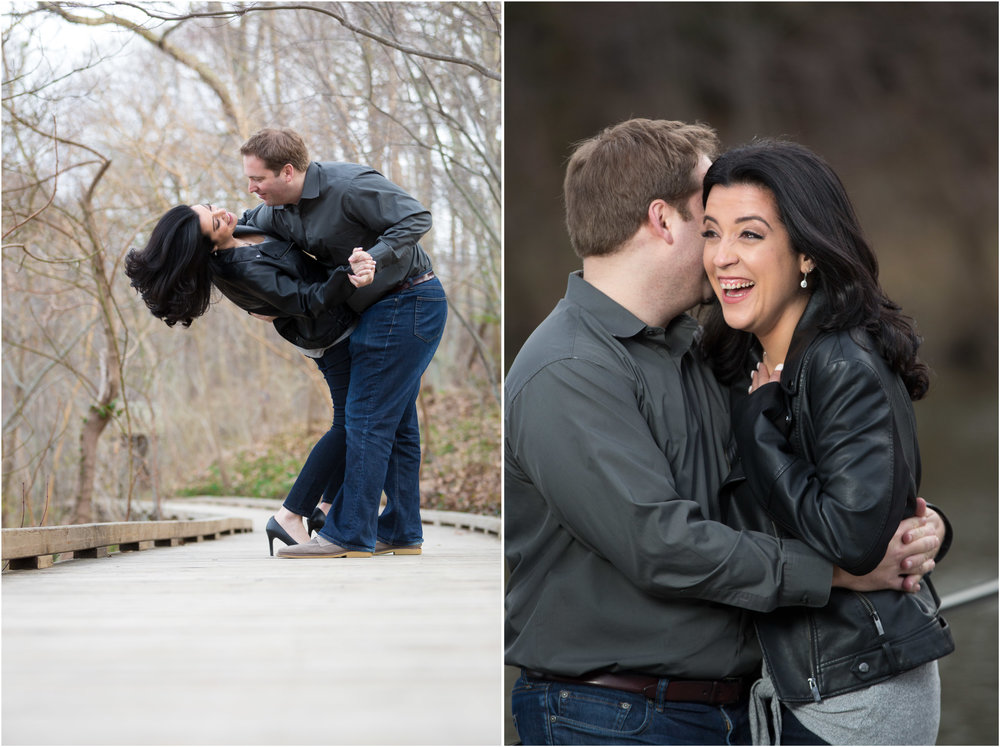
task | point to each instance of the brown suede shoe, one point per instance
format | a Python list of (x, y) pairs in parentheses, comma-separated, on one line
[(381, 548), (318, 547)]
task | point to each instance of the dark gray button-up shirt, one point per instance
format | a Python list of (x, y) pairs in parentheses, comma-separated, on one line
[(613, 454), (344, 205)]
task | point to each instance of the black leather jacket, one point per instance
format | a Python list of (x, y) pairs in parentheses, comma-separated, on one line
[(274, 278), (831, 455)]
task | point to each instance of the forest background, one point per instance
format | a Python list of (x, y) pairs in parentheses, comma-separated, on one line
[(902, 100), (114, 112)]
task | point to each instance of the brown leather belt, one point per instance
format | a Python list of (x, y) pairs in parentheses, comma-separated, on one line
[(410, 282), (711, 692)]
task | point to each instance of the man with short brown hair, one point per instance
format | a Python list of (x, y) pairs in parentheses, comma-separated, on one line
[(649, 159), (276, 147)]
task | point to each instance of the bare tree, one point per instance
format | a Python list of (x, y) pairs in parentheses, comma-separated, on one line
[(78, 225), (450, 105), (412, 89)]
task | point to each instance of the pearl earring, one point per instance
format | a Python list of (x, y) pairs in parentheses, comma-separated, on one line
[(804, 284)]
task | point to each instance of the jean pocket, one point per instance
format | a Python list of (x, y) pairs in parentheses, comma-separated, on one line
[(598, 713), (529, 712), (429, 316)]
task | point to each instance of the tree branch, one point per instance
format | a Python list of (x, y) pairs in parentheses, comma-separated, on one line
[(324, 10), (203, 71)]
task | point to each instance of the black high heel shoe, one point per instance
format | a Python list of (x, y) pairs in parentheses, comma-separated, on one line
[(315, 522), (274, 529)]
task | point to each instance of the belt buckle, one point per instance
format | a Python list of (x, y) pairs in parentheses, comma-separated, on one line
[(731, 689)]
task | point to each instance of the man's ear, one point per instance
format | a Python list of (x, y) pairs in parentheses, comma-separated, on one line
[(661, 216), (287, 172)]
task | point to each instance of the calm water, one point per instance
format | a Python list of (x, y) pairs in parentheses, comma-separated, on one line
[(969, 677), (958, 441)]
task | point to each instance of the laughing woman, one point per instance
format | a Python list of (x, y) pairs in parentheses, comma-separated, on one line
[(192, 249), (827, 443)]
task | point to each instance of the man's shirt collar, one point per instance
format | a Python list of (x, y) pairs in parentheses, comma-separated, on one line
[(623, 324), (310, 187)]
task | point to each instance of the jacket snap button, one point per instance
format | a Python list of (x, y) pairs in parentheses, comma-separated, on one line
[(863, 667)]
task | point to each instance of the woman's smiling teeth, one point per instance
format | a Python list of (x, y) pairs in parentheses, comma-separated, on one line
[(735, 287)]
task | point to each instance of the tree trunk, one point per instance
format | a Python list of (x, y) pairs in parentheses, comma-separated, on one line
[(94, 425), (103, 410)]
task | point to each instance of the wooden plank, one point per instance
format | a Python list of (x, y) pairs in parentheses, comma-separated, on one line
[(474, 522), (91, 552), (36, 541), (34, 563), (135, 546)]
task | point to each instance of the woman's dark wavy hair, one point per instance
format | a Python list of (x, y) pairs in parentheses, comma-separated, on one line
[(172, 272), (821, 223)]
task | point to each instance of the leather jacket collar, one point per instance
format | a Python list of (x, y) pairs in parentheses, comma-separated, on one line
[(805, 332)]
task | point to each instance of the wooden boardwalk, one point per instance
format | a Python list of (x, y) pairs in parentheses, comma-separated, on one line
[(218, 643)]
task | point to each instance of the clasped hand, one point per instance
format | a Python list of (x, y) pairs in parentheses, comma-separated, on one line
[(362, 268), (909, 557)]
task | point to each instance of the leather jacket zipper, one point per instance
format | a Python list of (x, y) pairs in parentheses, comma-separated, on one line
[(814, 690), (811, 681), (796, 418), (813, 687), (872, 612)]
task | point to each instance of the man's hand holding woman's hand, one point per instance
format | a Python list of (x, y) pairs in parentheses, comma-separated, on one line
[(362, 268), (909, 557)]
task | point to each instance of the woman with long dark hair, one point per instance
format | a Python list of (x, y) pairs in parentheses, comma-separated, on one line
[(193, 249), (826, 442)]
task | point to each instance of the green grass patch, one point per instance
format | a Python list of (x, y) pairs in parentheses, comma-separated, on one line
[(263, 471)]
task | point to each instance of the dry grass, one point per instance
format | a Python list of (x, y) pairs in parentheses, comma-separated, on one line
[(461, 458)]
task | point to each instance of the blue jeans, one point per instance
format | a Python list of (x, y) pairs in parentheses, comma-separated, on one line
[(390, 350), (793, 732), (548, 712), (323, 473)]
